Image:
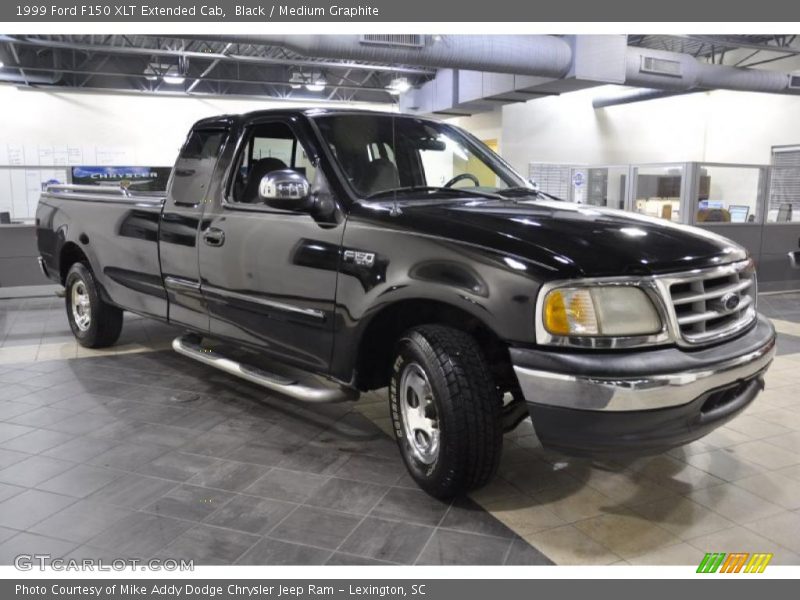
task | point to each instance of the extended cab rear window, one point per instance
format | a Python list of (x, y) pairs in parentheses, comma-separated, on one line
[(195, 165)]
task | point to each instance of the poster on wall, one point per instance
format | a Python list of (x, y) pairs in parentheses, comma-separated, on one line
[(143, 179)]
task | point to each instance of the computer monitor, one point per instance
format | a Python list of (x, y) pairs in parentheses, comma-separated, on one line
[(739, 213)]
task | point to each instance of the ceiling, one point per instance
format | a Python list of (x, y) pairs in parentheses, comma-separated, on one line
[(192, 65), (196, 66)]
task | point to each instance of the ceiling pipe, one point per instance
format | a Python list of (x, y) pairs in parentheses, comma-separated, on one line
[(636, 96), (542, 55), (28, 78)]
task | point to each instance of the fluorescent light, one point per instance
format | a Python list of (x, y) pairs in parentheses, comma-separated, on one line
[(2, 64), (398, 86), (174, 79), (317, 86)]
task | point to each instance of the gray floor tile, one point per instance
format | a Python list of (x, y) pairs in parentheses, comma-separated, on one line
[(228, 475), (29, 507), (465, 515), (36, 441), (29, 543), (139, 535), (209, 545), (215, 445), (9, 457), (80, 481), (275, 552), (251, 514), (132, 491), (316, 527), (43, 416), (347, 496), (79, 449), (176, 465), (261, 453), (33, 470), (9, 409), (81, 521), (8, 431), (6, 533), (190, 502), (313, 459), (387, 540), (414, 506), (127, 456), (373, 469), (82, 423), (350, 560), (522, 553), (8, 490), (458, 548), (292, 486)]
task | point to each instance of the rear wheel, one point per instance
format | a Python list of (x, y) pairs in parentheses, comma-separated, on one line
[(446, 410), (94, 322)]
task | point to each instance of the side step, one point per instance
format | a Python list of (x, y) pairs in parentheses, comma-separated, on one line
[(191, 346)]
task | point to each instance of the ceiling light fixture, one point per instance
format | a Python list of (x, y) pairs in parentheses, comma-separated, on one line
[(398, 86), (317, 86), (174, 77)]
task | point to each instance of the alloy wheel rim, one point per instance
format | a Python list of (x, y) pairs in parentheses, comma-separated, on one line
[(81, 306), (420, 419)]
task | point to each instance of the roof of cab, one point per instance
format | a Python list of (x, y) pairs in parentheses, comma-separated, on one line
[(221, 120)]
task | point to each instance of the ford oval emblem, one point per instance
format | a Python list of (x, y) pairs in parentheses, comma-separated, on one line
[(730, 301)]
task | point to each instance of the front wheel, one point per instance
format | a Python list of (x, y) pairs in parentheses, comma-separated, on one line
[(94, 322), (446, 410)]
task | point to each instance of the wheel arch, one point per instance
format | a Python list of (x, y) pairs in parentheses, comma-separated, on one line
[(380, 334)]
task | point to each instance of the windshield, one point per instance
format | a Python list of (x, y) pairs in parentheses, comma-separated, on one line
[(382, 155)]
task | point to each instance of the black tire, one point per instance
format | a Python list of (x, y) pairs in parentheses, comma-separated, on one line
[(104, 323), (466, 405)]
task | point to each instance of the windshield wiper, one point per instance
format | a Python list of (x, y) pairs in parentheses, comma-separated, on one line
[(429, 188), (530, 192)]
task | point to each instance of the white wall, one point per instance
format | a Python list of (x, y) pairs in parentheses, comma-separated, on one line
[(152, 127), (100, 128), (484, 126), (715, 126)]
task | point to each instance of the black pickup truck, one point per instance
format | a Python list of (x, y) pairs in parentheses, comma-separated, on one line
[(322, 253)]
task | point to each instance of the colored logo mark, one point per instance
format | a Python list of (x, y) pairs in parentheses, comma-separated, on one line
[(734, 562)]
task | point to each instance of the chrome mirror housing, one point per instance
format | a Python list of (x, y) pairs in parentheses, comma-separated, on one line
[(285, 189)]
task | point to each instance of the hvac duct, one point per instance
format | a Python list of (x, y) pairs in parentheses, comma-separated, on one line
[(542, 55), (678, 72)]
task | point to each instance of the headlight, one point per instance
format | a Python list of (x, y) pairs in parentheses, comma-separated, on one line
[(607, 311)]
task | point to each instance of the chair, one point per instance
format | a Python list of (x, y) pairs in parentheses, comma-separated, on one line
[(260, 168)]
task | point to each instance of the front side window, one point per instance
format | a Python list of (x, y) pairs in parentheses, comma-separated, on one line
[(268, 147), (382, 154)]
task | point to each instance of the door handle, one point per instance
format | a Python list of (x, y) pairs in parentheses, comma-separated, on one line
[(214, 236)]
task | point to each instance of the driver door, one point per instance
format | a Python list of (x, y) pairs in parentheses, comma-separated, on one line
[(269, 275)]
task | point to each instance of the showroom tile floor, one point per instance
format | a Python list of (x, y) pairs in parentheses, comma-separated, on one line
[(138, 452)]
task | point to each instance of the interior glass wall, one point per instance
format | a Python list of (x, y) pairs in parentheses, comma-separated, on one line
[(657, 191), (728, 194)]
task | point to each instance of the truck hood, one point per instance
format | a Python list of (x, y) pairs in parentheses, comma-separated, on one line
[(569, 238)]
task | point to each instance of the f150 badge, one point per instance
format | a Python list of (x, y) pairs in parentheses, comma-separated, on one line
[(359, 258)]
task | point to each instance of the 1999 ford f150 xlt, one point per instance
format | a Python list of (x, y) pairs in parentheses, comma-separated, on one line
[(363, 250)]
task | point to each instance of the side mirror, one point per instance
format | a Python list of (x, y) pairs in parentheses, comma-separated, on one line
[(286, 189)]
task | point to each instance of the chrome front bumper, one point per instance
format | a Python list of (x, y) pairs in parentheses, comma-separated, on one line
[(642, 391)]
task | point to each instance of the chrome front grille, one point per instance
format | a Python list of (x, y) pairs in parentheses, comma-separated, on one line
[(714, 304)]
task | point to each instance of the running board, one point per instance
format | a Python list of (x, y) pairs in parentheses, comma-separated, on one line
[(191, 346)]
